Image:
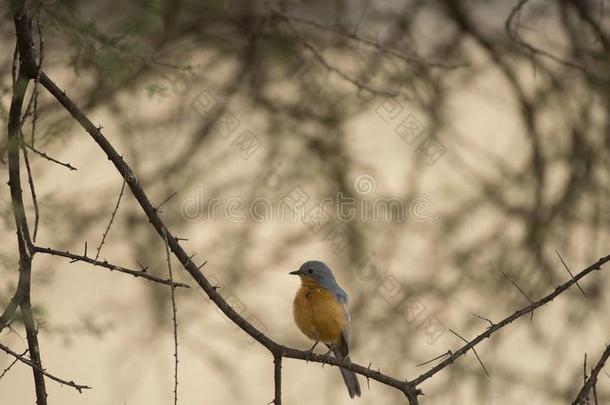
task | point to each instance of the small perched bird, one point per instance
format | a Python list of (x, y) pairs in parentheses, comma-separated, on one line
[(321, 313)]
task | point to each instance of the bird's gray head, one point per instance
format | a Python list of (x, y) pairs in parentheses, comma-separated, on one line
[(319, 272)]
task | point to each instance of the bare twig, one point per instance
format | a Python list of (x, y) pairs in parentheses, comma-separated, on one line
[(345, 76), (33, 103), (172, 195), (33, 365), (175, 322), (592, 380), (570, 273), (473, 350), (448, 353), (322, 60), (105, 264), (277, 379), (32, 191), (413, 58), (513, 33), (36, 87), (6, 370), (49, 158), (116, 208), (483, 319), (522, 292)]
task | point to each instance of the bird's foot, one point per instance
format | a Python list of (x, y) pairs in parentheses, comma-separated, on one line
[(311, 350), (327, 355)]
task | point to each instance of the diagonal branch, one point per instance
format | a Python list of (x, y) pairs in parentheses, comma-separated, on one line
[(116, 208), (509, 319), (49, 158), (412, 58), (33, 365), (6, 370), (107, 265)]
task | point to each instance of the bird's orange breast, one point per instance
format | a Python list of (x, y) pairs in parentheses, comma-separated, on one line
[(318, 314)]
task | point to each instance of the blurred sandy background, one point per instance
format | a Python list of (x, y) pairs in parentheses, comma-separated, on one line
[(523, 172)]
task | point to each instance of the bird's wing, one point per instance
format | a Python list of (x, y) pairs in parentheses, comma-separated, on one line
[(346, 334)]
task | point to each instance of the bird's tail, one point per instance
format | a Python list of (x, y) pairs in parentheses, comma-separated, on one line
[(349, 377)]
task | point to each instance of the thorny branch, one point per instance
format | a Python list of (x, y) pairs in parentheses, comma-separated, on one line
[(116, 208), (6, 370), (509, 319), (175, 322), (107, 265), (277, 379), (23, 359)]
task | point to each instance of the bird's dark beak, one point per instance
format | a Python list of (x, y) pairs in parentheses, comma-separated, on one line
[(295, 273)]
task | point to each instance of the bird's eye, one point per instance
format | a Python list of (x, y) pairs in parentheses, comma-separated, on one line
[(310, 271)]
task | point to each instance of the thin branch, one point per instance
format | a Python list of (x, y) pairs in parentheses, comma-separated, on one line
[(32, 191), (413, 58), (172, 195), (592, 381), (107, 265), (33, 365), (483, 319), (175, 322), (509, 319), (584, 370), (519, 288), (448, 353), (277, 378), (474, 351), (116, 208), (33, 103), (49, 158), (569, 272), (359, 85), (6, 370), (36, 86), (513, 34), (346, 77)]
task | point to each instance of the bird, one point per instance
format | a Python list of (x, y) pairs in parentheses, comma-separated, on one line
[(320, 311)]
